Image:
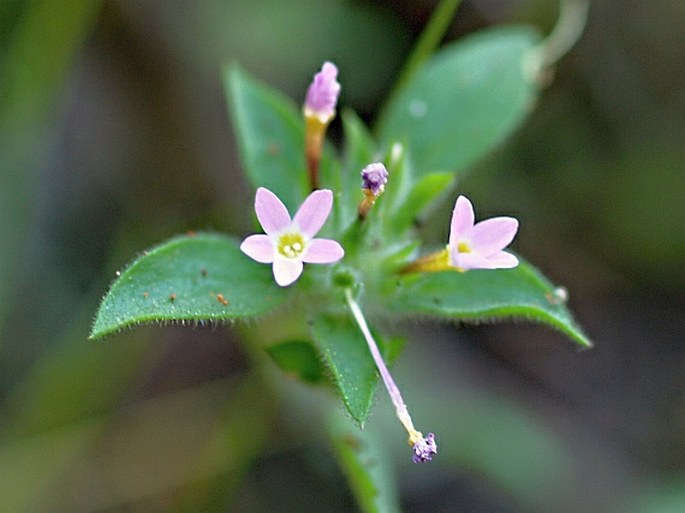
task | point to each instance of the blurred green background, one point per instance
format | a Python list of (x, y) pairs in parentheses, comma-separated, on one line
[(114, 136)]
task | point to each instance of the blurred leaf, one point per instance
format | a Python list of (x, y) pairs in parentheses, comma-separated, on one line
[(484, 295), (243, 427), (36, 53), (31, 466), (638, 214), (59, 389), (270, 132), (360, 151), (222, 425), (38, 56), (298, 358), (347, 355), (464, 101), (365, 463), (667, 496), (485, 431), (426, 191), (190, 278)]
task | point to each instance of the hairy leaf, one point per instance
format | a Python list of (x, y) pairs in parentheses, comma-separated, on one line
[(347, 355), (189, 278), (486, 294)]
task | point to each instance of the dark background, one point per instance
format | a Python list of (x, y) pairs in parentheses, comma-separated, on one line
[(122, 140)]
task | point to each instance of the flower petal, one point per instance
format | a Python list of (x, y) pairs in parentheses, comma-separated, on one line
[(493, 235), (271, 212), (469, 261), (323, 251), (287, 270), (463, 218), (259, 248), (313, 213), (503, 260)]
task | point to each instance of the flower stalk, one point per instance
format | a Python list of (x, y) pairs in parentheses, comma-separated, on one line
[(424, 448)]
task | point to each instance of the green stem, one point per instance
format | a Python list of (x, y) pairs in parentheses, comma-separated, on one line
[(430, 38), (566, 32)]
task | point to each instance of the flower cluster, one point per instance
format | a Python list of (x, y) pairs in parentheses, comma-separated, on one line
[(288, 243)]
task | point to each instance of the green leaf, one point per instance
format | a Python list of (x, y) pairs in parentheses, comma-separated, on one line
[(365, 463), (270, 132), (298, 358), (189, 278), (486, 294), (426, 191), (359, 152), (464, 101), (347, 355)]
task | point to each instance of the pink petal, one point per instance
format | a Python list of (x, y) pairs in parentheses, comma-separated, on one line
[(503, 260), (493, 235), (271, 212), (259, 248), (287, 270), (462, 219), (313, 213), (468, 261), (323, 251)]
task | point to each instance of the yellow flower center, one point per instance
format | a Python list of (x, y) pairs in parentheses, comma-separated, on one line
[(463, 247), (290, 245)]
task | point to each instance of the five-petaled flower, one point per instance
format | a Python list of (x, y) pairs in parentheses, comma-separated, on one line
[(290, 243), (480, 245)]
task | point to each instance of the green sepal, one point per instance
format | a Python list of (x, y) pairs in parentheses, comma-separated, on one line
[(202, 277)]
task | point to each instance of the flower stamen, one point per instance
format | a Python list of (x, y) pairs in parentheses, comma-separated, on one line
[(291, 245)]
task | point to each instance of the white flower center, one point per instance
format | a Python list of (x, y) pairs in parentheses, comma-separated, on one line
[(291, 245)]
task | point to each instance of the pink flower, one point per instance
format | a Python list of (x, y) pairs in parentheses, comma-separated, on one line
[(322, 95), (289, 243), (480, 245)]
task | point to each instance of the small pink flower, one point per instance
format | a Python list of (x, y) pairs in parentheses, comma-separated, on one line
[(480, 245), (289, 243), (322, 95)]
